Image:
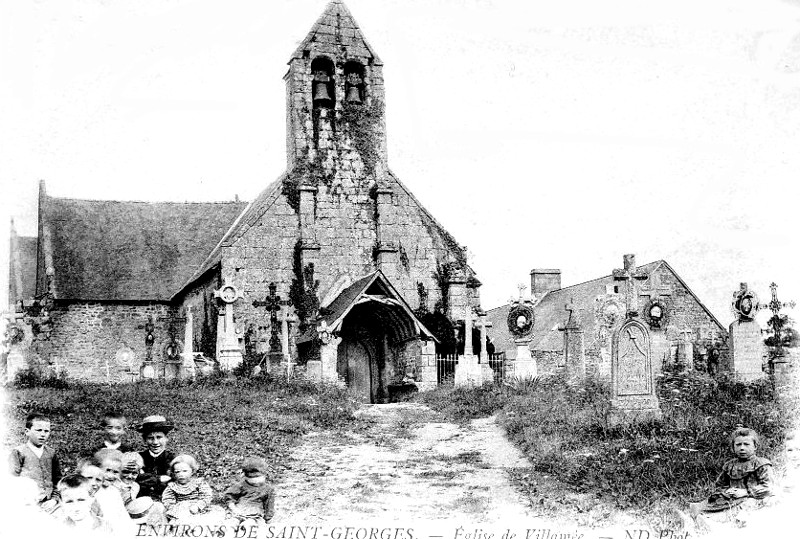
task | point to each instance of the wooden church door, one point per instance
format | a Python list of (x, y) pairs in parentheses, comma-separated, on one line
[(354, 364)]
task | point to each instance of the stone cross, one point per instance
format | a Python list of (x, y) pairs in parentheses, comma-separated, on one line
[(468, 350), (286, 319), (230, 353), (522, 289), (149, 338), (483, 324), (273, 303), (630, 275), (570, 308), (656, 290), (171, 319)]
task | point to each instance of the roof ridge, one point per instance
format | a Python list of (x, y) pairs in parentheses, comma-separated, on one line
[(425, 211), (99, 200), (237, 223), (599, 278), (330, 8)]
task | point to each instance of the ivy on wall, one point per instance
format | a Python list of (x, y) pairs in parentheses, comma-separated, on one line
[(362, 124), (304, 287)]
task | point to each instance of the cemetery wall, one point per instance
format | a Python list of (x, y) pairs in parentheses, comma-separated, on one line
[(86, 337), (547, 361)]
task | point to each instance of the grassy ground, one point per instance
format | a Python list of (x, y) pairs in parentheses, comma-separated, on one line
[(218, 421), (582, 463)]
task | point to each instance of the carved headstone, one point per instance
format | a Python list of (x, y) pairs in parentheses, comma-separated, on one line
[(629, 275), (609, 312), (747, 348), (230, 354), (632, 378)]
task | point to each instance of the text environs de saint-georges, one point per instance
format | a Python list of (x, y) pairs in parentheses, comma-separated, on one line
[(344, 532), (360, 532)]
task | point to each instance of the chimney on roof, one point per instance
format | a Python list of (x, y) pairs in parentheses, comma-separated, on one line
[(544, 281)]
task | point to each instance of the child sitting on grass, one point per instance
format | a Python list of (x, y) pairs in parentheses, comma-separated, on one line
[(132, 465), (251, 500), (155, 472), (37, 460), (76, 505), (744, 479), (187, 495), (106, 497)]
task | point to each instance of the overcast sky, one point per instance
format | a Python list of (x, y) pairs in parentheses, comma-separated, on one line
[(539, 133)]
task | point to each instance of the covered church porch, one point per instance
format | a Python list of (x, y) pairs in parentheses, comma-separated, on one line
[(369, 339)]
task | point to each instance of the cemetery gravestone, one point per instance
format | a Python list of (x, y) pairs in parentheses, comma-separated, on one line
[(684, 357), (520, 323), (632, 378), (608, 314), (574, 358), (230, 355), (747, 348), (188, 368), (468, 370)]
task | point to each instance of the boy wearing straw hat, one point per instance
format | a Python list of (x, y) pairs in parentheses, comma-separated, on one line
[(154, 476)]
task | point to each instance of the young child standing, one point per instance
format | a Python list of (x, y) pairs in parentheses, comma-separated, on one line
[(113, 425), (37, 460), (76, 505), (155, 472), (252, 498), (187, 495)]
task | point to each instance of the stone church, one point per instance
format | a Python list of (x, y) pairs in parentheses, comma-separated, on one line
[(335, 268)]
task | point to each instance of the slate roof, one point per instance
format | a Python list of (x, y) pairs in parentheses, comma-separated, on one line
[(336, 26), (113, 250), (22, 268), (551, 313), (392, 315)]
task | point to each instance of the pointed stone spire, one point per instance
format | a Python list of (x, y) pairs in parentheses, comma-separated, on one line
[(335, 28)]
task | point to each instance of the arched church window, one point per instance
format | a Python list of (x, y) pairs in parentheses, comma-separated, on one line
[(354, 82), (322, 88)]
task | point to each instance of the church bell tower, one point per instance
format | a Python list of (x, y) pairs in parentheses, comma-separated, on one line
[(335, 129)]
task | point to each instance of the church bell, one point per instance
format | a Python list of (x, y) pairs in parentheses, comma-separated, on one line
[(321, 92), (353, 94)]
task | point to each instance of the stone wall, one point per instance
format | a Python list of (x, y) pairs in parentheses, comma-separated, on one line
[(205, 312), (87, 336), (547, 361), (684, 311)]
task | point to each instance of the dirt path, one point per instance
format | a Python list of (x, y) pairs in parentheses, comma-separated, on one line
[(407, 464)]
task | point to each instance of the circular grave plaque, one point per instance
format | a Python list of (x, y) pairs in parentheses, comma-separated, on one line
[(125, 356), (745, 304), (656, 313), (520, 320)]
